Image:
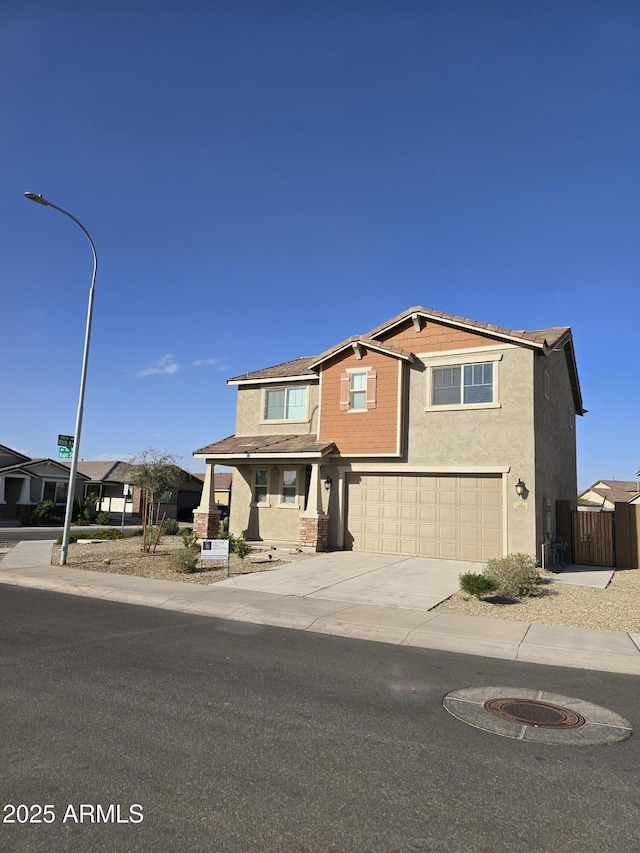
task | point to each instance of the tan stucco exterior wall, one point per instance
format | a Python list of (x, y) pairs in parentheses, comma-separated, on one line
[(250, 411), (276, 522), (555, 437), (491, 438)]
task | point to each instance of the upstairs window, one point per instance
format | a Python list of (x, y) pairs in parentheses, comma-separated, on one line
[(357, 390), (285, 404), (466, 384)]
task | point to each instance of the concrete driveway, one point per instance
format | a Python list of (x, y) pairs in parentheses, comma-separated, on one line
[(417, 583)]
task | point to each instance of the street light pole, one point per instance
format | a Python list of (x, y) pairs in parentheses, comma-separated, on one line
[(83, 379)]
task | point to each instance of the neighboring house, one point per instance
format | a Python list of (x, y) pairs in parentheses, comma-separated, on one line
[(106, 481), (604, 494), (222, 490), (25, 482), (431, 435)]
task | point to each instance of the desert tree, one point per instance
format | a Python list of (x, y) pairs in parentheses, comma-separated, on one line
[(156, 474)]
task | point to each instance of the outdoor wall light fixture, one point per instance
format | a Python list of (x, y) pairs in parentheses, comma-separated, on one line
[(327, 483), (520, 488)]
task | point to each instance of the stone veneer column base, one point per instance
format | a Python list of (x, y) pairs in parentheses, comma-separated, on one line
[(206, 524), (314, 532)]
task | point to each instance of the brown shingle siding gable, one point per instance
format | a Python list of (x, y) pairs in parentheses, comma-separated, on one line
[(539, 337)]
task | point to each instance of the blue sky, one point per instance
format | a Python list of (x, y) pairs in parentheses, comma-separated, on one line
[(265, 179)]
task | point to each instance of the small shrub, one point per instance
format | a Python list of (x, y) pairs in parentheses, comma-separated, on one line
[(189, 538), (103, 517), (477, 585), (239, 546), (170, 527), (108, 533), (42, 514), (185, 561), (516, 574), (224, 526)]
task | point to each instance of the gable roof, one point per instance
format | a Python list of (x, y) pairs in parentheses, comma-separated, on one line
[(12, 452), (611, 491), (540, 338), (361, 341), (552, 339), (30, 463)]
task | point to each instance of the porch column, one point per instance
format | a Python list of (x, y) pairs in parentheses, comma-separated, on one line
[(25, 493), (2, 500), (206, 517), (314, 523)]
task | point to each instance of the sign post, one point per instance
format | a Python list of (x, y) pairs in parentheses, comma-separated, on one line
[(215, 549), (125, 493)]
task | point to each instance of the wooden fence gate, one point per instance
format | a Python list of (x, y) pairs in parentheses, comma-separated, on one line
[(594, 538)]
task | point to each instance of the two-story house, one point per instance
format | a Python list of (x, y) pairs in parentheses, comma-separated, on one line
[(432, 435)]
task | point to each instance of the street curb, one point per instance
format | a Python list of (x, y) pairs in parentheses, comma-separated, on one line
[(427, 635)]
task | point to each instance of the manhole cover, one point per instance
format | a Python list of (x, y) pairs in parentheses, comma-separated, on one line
[(534, 715), (529, 712)]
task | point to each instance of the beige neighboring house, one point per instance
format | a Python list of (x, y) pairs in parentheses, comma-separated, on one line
[(431, 435), (606, 493), (25, 482)]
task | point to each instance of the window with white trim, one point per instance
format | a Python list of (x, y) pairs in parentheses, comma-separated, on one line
[(261, 487), (289, 486), (358, 389), (462, 384), (285, 404)]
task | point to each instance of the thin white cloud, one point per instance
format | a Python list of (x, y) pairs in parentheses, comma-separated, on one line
[(110, 457), (211, 362), (166, 364)]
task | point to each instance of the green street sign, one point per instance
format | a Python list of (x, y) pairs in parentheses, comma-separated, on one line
[(65, 441), (65, 452)]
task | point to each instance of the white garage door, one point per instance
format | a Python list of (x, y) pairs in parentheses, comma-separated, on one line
[(455, 518)]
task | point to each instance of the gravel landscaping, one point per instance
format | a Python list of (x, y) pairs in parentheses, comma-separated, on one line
[(125, 557), (616, 608)]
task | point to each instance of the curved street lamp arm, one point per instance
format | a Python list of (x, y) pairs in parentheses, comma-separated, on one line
[(83, 378)]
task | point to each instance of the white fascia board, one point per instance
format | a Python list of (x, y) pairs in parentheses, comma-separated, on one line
[(404, 468), (306, 377), (243, 457), (492, 352)]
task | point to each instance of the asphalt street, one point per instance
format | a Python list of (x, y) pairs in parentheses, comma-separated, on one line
[(195, 733)]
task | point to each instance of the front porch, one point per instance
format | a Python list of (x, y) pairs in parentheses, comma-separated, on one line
[(281, 490)]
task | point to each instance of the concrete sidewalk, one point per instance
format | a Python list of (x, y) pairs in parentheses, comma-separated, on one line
[(363, 596)]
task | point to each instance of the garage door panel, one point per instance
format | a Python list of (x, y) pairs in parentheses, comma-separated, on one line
[(409, 513), (470, 516), (449, 517), (490, 518)]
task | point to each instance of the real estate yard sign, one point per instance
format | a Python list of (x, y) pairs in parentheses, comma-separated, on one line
[(215, 549)]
